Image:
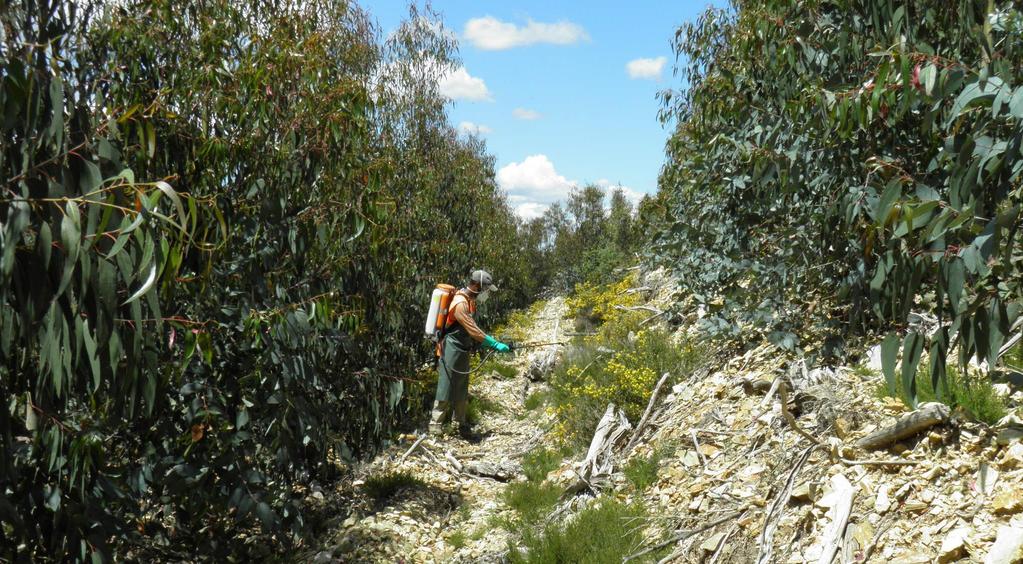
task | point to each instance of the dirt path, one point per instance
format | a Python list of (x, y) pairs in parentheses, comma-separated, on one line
[(445, 514)]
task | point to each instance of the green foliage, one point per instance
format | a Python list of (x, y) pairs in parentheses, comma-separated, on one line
[(457, 539), (582, 241), (532, 501), (535, 400), (972, 393), (641, 471), (539, 462), (621, 364), (217, 216), (837, 164), (595, 304), (606, 532), (502, 370), (480, 406), (383, 486)]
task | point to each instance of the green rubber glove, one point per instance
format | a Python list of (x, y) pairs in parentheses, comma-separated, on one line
[(493, 343)]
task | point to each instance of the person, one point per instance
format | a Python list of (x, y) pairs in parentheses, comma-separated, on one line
[(461, 337)]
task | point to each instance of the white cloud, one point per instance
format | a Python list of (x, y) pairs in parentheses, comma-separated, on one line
[(460, 85), (534, 184), (534, 178), (630, 194), (649, 69), (470, 128), (530, 210), (526, 114), (491, 34)]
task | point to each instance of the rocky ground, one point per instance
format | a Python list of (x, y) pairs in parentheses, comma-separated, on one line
[(956, 494), (737, 481)]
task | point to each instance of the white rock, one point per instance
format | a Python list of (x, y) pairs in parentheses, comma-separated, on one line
[(882, 503), (987, 477), (874, 358), (711, 544), (954, 545), (1008, 547)]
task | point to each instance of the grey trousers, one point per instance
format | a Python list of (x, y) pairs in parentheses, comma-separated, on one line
[(444, 411)]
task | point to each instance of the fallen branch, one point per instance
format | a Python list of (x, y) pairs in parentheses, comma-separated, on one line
[(696, 445), (841, 511), (646, 415), (926, 416), (766, 540), (894, 462), (724, 543), (412, 448), (684, 534), (869, 550), (440, 463), (500, 471), (783, 390), (600, 459), (651, 318), (454, 461), (651, 309)]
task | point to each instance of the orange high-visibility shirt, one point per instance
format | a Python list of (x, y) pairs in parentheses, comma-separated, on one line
[(462, 308)]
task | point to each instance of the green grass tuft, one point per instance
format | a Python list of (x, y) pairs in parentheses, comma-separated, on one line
[(503, 371), (539, 462), (532, 501), (384, 486), (535, 400), (641, 471), (975, 395), (457, 539), (604, 533), (480, 406)]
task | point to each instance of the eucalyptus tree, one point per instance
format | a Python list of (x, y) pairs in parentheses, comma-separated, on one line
[(837, 164), (217, 229)]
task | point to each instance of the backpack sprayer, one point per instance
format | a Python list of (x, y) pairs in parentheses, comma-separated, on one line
[(534, 345)]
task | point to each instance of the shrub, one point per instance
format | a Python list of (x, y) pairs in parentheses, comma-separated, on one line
[(973, 393), (597, 303), (531, 500), (535, 400), (606, 532), (641, 471), (480, 406), (384, 486), (538, 463), (611, 367)]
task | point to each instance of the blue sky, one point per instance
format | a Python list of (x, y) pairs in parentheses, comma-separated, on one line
[(550, 87)]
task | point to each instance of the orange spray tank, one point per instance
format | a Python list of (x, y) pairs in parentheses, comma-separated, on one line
[(440, 301)]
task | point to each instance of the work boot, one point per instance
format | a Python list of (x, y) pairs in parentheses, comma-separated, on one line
[(469, 433), (441, 414)]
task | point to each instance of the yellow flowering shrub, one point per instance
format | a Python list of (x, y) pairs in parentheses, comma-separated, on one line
[(607, 370), (597, 302)]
